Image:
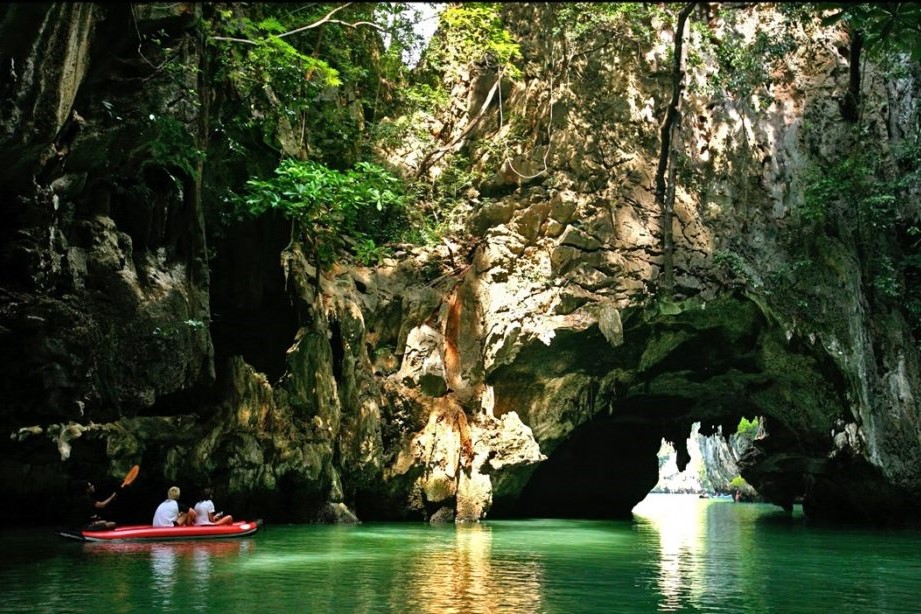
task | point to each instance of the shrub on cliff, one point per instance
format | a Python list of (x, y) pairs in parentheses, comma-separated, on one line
[(364, 206)]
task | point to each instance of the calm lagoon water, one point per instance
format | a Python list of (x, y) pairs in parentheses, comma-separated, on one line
[(679, 553)]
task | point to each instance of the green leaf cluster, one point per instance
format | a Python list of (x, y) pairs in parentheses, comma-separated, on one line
[(732, 265), (748, 428), (275, 82), (363, 206), (886, 26), (473, 33), (739, 483), (287, 85), (267, 59), (302, 91)]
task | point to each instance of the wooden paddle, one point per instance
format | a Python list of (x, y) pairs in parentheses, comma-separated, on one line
[(131, 475)]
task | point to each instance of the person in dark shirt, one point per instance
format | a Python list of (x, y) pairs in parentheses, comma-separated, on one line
[(94, 522)]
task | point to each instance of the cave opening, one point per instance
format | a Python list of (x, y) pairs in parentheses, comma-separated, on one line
[(251, 312), (610, 464), (604, 468), (600, 413), (607, 465)]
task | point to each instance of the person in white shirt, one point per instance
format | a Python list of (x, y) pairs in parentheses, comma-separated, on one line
[(205, 513), (168, 513)]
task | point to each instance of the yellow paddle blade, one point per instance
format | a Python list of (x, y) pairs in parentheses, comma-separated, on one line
[(133, 473)]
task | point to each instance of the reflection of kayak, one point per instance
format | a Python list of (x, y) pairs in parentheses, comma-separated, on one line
[(146, 532), (216, 547)]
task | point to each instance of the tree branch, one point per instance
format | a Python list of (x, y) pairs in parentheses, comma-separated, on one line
[(327, 19), (359, 23), (233, 40), (437, 154), (316, 23)]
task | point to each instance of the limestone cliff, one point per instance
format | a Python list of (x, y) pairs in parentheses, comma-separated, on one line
[(588, 302), (571, 322), (712, 468), (105, 309)]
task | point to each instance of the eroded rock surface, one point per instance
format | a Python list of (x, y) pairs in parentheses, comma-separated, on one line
[(529, 364)]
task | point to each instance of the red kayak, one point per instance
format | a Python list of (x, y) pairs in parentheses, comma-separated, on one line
[(146, 532)]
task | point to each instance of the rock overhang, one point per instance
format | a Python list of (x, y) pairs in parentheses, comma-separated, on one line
[(715, 362)]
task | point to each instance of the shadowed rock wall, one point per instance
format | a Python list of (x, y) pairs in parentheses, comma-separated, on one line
[(103, 276)]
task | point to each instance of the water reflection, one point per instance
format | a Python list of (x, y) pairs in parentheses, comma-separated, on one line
[(464, 575), (708, 550), (730, 558), (217, 548), (682, 547), (163, 572), (173, 561)]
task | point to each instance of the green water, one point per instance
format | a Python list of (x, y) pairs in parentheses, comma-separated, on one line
[(679, 553)]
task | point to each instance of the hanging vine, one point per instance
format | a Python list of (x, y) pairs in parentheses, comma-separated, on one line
[(665, 189)]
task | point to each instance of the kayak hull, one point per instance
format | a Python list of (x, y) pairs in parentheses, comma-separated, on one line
[(150, 533)]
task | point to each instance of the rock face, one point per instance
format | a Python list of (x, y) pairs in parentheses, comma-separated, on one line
[(712, 468), (531, 363), (566, 315), (105, 306)]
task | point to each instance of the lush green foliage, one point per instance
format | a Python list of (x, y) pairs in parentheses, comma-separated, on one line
[(856, 182), (732, 265), (886, 27), (416, 102), (276, 83), (310, 82), (363, 206), (748, 428), (739, 483), (303, 89), (473, 33), (872, 188)]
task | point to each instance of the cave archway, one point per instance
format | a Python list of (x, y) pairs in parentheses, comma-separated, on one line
[(600, 409), (602, 469), (608, 464)]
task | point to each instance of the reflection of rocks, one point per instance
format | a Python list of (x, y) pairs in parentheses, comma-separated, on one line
[(336, 513), (464, 575)]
